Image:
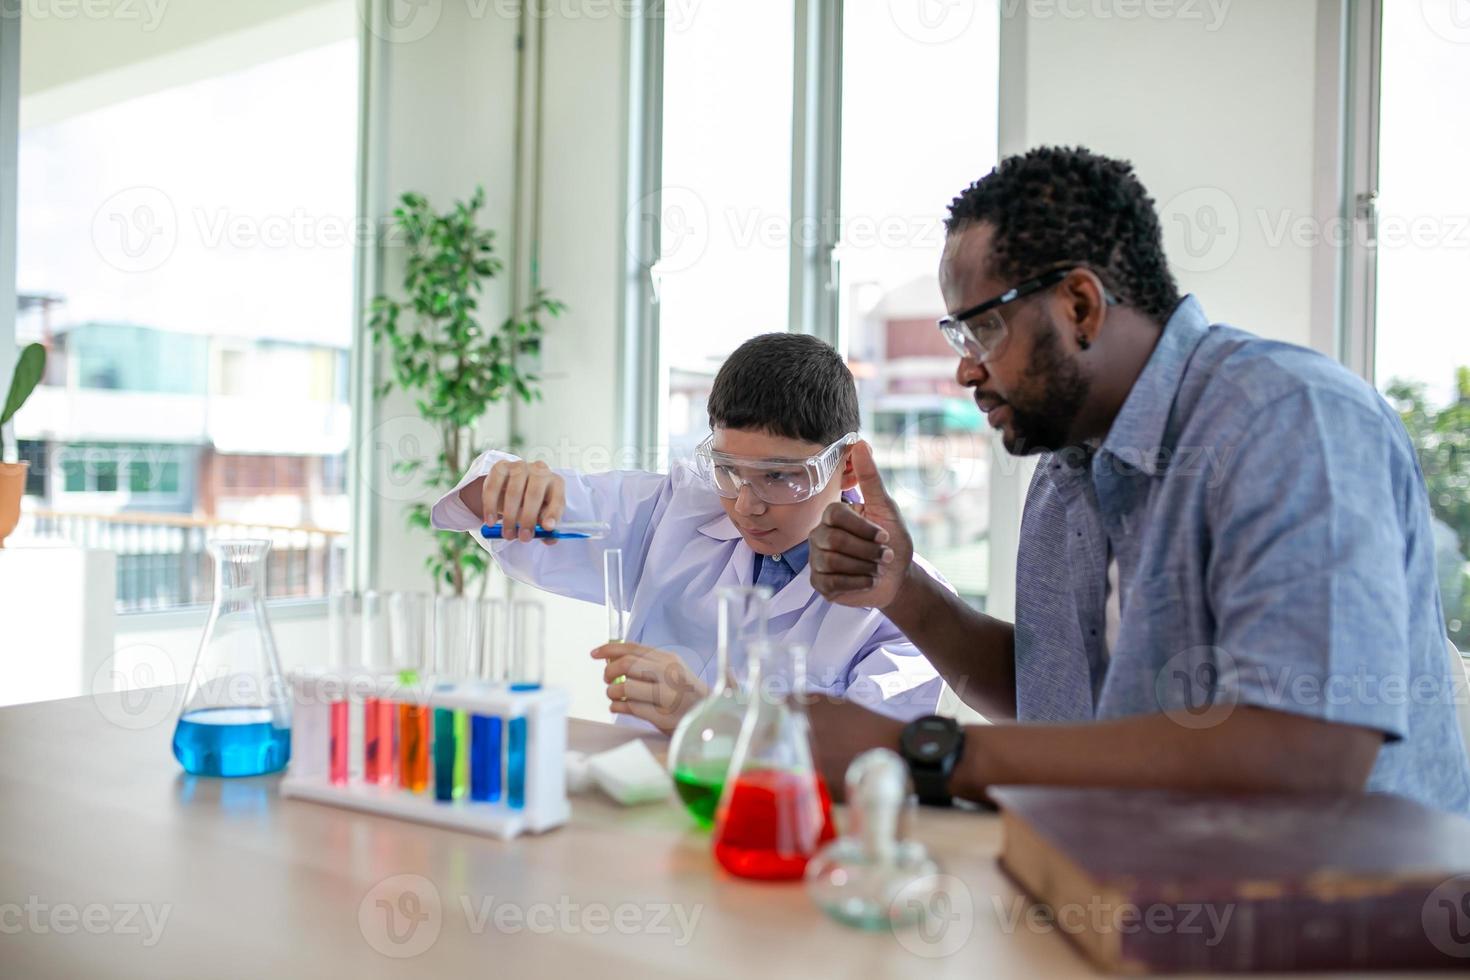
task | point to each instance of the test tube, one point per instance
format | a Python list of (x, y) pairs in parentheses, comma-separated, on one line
[(528, 645), (612, 577), (334, 690), (485, 737), (453, 650), (377, 713), (515, 764), (444, 752), (341, 628), (487, 622), (487, 731), (408, 627)]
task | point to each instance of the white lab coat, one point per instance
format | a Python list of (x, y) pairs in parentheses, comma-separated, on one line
[(679, 549)]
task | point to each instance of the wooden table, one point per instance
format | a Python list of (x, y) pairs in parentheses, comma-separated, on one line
[(100, 829)]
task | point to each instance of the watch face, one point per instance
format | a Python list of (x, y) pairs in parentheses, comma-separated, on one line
[(930, 739)]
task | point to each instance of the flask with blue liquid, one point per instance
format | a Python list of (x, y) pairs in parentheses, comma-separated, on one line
[(236, 719)]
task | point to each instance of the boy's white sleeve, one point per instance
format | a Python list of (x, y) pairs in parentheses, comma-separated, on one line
[(891, 676), (629, 502)]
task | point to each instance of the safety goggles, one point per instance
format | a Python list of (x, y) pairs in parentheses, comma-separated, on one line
[(776, 481), (980, 332)]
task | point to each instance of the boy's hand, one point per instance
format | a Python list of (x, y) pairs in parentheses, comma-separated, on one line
[(861, 554), (521, 495), (655, 684)]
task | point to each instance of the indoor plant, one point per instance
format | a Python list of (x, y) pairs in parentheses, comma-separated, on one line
[(28, 370), (452, 365)]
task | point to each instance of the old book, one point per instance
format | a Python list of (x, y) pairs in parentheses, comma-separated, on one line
[(1156, 881)]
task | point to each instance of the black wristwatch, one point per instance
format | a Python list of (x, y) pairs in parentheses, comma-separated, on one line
[(932, 745)]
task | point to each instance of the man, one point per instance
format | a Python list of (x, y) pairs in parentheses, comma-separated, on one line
[(1226, 571)]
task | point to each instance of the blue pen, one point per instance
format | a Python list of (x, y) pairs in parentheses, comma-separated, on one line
[(570, 531)]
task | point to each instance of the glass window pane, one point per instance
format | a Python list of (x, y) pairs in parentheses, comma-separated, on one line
[(185, 252), (907, 150), (1422, 355), (724, 271)]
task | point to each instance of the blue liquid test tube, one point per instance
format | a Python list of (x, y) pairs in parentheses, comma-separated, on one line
[(515, 764), (485, 758), (443, 754)]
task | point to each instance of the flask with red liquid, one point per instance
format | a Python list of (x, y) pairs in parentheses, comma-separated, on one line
[(775, 812)]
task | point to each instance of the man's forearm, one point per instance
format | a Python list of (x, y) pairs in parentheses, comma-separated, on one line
[(1254, 749), (973, 652)]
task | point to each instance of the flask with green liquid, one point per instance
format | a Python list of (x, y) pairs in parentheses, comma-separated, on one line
[(703, 742)]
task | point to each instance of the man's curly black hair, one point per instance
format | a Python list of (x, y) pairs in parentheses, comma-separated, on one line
[(1056, 205)]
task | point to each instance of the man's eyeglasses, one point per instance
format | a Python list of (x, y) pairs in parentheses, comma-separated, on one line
[(980, 332)]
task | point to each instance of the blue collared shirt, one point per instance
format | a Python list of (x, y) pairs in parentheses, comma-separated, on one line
[(775, 571), (1273, 538)]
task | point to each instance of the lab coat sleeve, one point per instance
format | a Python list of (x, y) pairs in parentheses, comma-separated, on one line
[(629, 502), (891, 676)]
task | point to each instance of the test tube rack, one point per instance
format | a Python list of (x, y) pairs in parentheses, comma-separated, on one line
[(516, 754)]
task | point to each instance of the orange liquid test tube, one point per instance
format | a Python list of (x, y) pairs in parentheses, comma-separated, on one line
[(413, 747)]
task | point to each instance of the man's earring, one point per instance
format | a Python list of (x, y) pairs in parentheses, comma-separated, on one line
[(1082, 342)]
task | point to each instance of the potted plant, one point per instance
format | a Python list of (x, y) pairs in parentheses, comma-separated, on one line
[(452, 365), (28, 370)]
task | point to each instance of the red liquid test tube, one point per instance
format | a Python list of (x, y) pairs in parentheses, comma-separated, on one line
[(339, 742), (377, 741)]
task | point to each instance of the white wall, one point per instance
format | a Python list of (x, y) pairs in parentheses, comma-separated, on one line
[(1214, 104)]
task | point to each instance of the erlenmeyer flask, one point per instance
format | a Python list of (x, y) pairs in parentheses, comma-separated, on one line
[(236, 719), (775, 811), (704, 740)]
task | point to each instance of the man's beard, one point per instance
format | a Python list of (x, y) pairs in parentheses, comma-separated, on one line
[(1050, 395)]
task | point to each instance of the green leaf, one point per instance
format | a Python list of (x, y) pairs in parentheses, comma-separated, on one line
[(29, 369)]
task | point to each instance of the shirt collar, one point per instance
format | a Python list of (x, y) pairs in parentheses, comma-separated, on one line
[(1137, 434), (795, 556)]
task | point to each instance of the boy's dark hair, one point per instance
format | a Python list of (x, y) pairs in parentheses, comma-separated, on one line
[(1059, 204), (786, 384)]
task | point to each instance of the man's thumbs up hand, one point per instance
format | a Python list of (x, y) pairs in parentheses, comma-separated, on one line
[(860, 554)]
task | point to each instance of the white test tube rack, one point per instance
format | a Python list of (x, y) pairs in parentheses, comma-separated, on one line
[(542, 806)]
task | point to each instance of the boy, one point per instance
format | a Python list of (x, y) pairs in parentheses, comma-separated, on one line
[(784, 416)]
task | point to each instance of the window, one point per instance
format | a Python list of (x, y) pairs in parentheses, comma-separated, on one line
[(739, 217), (1420, 343), (185, 240), (722, 274), (938, 129)]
